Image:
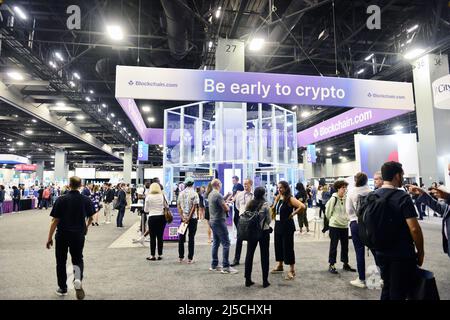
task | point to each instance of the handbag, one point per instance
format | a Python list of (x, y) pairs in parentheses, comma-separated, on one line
[(425, 286), (167, 213)]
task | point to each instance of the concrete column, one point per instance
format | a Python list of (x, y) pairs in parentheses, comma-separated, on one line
[(40, 165), (60, 166), (127, 164), (432, 123), (328, 167)]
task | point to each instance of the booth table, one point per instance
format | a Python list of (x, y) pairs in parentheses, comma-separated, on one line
[(24, 204)]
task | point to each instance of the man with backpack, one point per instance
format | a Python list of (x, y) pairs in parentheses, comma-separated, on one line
[(388, 224)]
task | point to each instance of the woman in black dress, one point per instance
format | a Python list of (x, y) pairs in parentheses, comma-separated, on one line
[(284, 209)]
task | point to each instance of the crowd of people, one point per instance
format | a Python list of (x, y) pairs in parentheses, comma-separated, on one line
[(397, 262)]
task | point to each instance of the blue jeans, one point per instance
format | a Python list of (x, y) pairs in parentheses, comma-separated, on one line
[(360, 251), (1, 208), (220, 236)]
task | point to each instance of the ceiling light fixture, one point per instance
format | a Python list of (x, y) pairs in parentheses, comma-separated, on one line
[(20, 143), (15, 75), (151, 119), (29, 131), (305, 114), (398, 127), (145, 109), (294, 108), (330, 149), (20, 13), (72, 84), (34, 120), (59, 56), (76, 75), (12, 149), (39, 149), (119, 123), (412, 28), (60, 104), (328, 154), (115, 32), (112, 115), (368, 57), (104, 106), (256, 44), (52, 64), (413, 53), (218, 12), (360, 71), (88, 99), (345, 150), (91, 91)]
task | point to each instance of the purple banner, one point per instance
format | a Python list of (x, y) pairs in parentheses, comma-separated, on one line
[(345, 122)]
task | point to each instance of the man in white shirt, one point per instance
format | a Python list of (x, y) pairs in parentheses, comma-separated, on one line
[(242, 199), (187, 207)]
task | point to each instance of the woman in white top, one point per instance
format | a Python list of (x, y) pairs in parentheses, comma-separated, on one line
[(354, 199), (155, 203)]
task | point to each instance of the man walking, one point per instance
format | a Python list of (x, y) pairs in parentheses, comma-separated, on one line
[(2, 199), (242, 199), (69, 220), (121, 204), (109, 197), (187, 207), (398, 262), (217, 216)]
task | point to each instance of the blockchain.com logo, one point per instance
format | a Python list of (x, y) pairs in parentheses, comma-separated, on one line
[(316, 133), (131, 82)]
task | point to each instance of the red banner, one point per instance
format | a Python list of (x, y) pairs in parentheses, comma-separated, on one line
[(25, 167)]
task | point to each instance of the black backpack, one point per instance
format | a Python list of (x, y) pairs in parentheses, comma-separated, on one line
[(249, 227), (377, 224)]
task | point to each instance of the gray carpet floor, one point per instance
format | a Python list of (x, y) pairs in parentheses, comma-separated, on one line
[(27, 268)]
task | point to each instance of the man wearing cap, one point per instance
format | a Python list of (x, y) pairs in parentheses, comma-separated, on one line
[(187, 207)]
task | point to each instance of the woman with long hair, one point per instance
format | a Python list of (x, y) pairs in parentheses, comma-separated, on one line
[(284, 209), (302, 196), (208, 191), (155, 203), (260, 205), (201, 205)]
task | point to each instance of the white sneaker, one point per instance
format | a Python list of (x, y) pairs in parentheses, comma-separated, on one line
[(358, 283), (78, 289), (107, 222), (218, 269), (229, 270)]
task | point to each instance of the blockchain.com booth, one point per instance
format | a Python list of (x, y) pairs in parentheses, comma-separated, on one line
[(235, 125)]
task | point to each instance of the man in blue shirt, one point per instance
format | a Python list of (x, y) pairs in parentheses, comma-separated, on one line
[(69, 220)]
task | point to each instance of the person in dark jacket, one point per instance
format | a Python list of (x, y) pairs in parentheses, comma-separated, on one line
[(302, 196), (121, 204), (443, 208), (16, 199), (2, 199), (69, 220), (40, 192)]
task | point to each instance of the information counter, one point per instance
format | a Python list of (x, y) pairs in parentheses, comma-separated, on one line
[(24, 204)]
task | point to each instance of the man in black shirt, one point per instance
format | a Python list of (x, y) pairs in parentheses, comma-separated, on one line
[(398, 263), (69, 219)]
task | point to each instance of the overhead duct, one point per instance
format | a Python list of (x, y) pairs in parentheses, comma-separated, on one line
[(177, 27)]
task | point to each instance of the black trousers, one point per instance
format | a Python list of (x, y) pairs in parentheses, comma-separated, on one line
[(120, 216), (264, 243), (321, 208), (398, 275), (284, 247), (237, 253), (16, 204), (74, 243), (336, 235), (156, 225), (302, 220), (191, 229)]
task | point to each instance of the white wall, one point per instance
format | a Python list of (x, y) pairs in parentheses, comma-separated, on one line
[(345, 168)]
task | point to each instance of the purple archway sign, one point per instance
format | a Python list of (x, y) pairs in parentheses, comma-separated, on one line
[(373, 101)]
